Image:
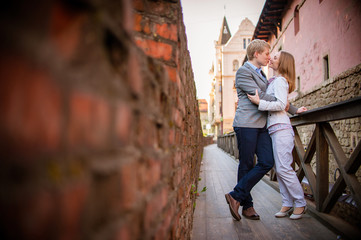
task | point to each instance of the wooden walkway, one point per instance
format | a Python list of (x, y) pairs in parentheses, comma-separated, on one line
[(212, 219)]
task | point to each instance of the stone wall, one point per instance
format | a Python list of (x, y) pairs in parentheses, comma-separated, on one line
[(342, 87), (100, 130)]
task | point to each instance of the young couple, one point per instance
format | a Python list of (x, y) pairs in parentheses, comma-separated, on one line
[(263, 128)]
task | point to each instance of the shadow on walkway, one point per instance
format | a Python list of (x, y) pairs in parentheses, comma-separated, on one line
[(212, 219)]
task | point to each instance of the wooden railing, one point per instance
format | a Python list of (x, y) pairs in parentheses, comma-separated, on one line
[(228, 142), (322, 139)]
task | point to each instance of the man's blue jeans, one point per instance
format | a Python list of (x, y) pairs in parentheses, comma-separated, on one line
[(251, 141)]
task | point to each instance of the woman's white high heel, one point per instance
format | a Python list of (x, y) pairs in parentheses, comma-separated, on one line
[(298, 216), (283, 214)]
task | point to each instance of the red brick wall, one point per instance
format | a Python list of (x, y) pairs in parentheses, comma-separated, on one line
[(100, 136)]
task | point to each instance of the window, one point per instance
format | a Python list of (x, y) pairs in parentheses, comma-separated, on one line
[(326, 67), (249, 40), (298, 86), (244, 43), (225, 30), (296, 20), (235, 65)]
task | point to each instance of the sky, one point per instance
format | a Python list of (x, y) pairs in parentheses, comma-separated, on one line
[(203, 20)]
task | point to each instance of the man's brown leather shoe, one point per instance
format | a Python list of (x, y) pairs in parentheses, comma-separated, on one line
[(233, 206), (250, 213)]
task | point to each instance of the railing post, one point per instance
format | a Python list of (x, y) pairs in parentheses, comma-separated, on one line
[(321, 167), (235, 146), (227, 144), (235, 149), (231, 150)]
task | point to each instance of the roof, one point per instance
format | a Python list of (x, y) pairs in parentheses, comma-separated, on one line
[(203, 105), (270, 20), (225, 33)]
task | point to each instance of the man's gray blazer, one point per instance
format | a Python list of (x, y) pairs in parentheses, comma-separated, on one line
[(247, 113)]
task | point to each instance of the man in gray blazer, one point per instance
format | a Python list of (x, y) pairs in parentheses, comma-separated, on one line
[(250, 127)]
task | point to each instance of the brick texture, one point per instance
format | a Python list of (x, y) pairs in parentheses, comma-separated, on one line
[(100, 135)]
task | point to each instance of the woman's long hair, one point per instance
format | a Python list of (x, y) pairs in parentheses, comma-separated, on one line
[(286, 68)]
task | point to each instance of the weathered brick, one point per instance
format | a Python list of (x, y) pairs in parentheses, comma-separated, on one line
[(177, 116), (128, 22), (168, 31), (156, 49), (177, 159), (123, 122), (24, 89), (149, 174), (137, 22), (171, 136), (154, 167), (129, 185), (100, 122), (162, 8), (146, 131), (89, 120), (154, 207), (172, 73), (123, 233), (138, 5), (65, 29), (141, 24), (134, 78), (80, 122), (34, 219), (71, 209)]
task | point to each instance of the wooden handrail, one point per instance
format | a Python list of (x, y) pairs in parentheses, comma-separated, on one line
[(337, 111)]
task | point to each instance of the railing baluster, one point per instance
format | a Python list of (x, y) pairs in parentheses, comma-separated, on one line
[(298, 154), (341, 159), (355, 160), (321, 166), (333, 196)]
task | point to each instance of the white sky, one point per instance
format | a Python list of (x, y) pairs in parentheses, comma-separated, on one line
[(203, 20)]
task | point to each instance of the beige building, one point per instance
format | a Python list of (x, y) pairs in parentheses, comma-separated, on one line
[(203, 113), (230, 52)]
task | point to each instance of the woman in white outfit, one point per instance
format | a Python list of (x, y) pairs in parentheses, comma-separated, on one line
[(281, 132)]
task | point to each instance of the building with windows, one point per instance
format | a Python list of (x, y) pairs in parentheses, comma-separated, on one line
[(203, 113), (230, 52)]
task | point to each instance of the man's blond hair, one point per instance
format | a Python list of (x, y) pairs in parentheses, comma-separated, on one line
[(256, 45)]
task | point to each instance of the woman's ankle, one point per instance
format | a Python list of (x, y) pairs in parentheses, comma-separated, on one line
[(285, 209), (298, 210)]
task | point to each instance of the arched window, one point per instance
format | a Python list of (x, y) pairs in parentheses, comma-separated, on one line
[(296, 20), (235, 65)]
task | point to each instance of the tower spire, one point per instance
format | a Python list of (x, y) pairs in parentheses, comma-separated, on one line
[(225, 34)]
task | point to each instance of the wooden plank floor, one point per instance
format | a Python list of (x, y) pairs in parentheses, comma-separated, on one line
[(212, 219)]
